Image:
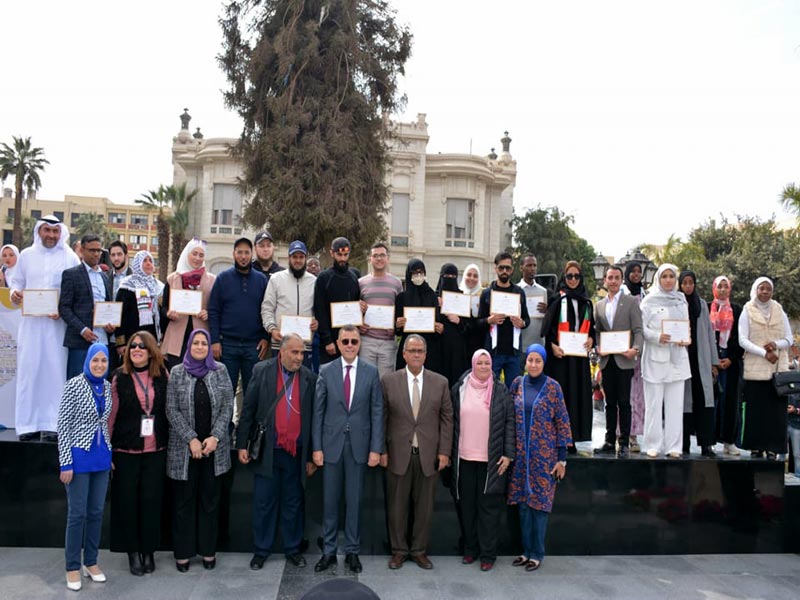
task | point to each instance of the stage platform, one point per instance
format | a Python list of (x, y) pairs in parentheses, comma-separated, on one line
[(605, 506)]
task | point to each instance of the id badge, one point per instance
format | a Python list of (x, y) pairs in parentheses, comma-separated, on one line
[(146, 429)]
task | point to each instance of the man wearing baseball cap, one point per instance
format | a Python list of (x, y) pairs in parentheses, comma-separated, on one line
[(290, 293), (265, 251)]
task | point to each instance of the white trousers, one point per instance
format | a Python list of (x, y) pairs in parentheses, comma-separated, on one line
[(668, 437)]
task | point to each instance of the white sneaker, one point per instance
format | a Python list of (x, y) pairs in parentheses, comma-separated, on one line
[(731, 449), (75, 586)]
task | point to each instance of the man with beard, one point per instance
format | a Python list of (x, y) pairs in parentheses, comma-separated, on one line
[(265, 251), (234, 315), (41, 360), (291, 293), (336, 284), (504, 330), (118, 254)]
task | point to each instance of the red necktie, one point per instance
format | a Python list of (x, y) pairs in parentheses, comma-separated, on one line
[(347, 387)]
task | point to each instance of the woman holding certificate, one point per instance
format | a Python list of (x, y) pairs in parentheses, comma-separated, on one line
[(416, 309), (569, 334), (476, 335), (765, 336), (191, 275), (665, 363), (141, 297), (453, 341)]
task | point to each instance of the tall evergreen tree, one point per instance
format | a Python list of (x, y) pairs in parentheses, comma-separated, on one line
[(312, 81)]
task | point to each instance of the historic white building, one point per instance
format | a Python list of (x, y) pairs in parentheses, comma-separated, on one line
[(443, 208)]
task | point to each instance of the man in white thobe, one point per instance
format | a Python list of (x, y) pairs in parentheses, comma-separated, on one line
[(41, 358)]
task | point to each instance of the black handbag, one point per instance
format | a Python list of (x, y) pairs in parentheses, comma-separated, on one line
[(256, 441), (786, 383)]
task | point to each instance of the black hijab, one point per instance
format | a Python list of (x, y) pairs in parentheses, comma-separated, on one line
[(448, 284), (418, 295), (579, 293), (694, 298), (634, 288)]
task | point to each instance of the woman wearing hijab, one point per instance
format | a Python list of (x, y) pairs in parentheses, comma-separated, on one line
[(141, 297), (540, 458), (633, 286), (139, 434), (665, 365), (452, 341), (724, 316), (84, 453), (9, 255), (572, 311), (698, 398), (483, 448), (765, 336), (476, 336), (417, 292), (191, 274), (199, 409)]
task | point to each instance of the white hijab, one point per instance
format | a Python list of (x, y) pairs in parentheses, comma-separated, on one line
[(9, 271), (183, 261), (658, 296), (475, 291), (764, 307)]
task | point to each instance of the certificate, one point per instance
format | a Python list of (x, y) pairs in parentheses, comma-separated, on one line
[(185, 302), (345, 313), (503, 303), (615, 342), (532, 303), (107, 313), (456, 303), (296, 324), (419, 319), (39, 303), (475, 303), (677, 329), (379, 317), (572, 343)]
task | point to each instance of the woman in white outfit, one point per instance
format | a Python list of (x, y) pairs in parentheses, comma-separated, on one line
[(665, 366)]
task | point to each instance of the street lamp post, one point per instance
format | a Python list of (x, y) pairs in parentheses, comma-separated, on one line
[(599, 265)]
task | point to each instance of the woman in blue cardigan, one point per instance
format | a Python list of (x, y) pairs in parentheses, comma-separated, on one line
[(84, 453)]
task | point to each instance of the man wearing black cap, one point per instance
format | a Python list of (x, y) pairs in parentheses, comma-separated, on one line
[(265, 251), (337, 284), (234, 315)]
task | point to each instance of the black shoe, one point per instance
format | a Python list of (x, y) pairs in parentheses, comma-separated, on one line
[(351, 560), (135, 563), (757, 454), (257, 562), (29, 437), (708, 452), (148, 562), (624, 452), (606, 449), (572, 450), (327, 560), (209, 564), (182, 567), (50, 437), (297, 559)]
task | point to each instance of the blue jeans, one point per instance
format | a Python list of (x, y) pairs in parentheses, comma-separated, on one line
[(86, 499), (794, 438), (75, 359), (315, 353), (239, 358), (279, 496), (533, 524), (509, 364)]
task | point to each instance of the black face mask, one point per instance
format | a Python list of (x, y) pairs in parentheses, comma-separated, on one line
[(298, 273)]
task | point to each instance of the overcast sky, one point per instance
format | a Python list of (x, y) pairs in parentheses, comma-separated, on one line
[(641, 119)]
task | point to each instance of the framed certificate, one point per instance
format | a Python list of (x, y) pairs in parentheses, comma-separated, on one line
[(346, 313), (186, 302), (572, 343), (379, 317), (454, 303), (532, 304), (615, 342), (677, 329), (107, 313), (39, 303), (297, 324), (503, 303), (419, 319)]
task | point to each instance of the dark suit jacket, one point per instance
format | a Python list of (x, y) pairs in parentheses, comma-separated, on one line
[(331, 417), (259, 403), (434, 424), (76, 304), (628, 317)]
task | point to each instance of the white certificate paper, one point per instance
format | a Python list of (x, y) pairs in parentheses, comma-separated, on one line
[(345, 313), (186, 302), (419, 319), (677, 329), (615, 342), (379, 317), (503, 303), (456, 304), (107, 313), (532, 303), (571, 342), (39, 303), (296, 324)]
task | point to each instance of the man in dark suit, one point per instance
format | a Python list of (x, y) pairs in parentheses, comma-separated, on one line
[(418, 422), (280, 398), (81, 287), (617, 312), (346, 434)]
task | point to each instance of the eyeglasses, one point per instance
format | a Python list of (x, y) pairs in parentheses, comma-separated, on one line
[(139, 345), (93, 250), (504, 268), (572, 276), (349, 342)]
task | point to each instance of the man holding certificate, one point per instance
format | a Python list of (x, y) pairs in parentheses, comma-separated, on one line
[(379, 290), (617, 321)]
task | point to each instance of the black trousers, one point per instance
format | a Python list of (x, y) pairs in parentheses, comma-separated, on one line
[(701, 420), (196, 511), (617, 390), (137, 490), (482, 512)]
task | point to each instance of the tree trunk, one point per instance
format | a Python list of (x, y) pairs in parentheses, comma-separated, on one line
[(16, 235), (178, 242), (163, 247)]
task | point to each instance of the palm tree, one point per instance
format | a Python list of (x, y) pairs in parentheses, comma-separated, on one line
[(95, 223), (27, 225), (159, 200), (179, 222), (25, 163), (790, 198)]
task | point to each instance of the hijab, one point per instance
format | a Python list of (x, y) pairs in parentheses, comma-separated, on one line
[(539, 349), (198, 368), (98, 384), (721, 313), (763, 307), (190, 278), (478, 390), (9, 271), (634, 288), (418, 295), (471, 291), (694, 298), (658, 297), (579, 293), (448, 284), (138, 279)]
